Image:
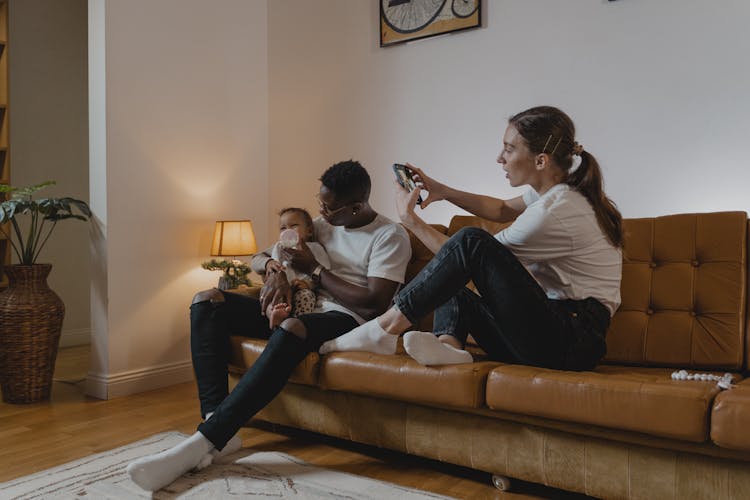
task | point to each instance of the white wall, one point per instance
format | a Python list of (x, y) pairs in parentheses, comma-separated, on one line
[(185, 143), (48, 117), (658, 90)]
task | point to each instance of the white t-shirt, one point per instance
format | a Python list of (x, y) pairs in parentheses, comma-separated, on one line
[(381, 249), (558, 240), (317, 250)]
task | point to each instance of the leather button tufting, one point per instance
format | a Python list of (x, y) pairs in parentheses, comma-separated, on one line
[(695, 263), (649, 311), (652, 265)]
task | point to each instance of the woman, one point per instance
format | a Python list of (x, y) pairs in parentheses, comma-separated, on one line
[(548, 284)]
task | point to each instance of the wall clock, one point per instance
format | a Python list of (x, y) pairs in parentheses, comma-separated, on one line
[(404, 20)]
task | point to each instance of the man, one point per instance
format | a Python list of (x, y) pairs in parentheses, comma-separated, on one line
[(368, 253)]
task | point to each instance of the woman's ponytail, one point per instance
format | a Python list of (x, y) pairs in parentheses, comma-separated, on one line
[(587, 179)]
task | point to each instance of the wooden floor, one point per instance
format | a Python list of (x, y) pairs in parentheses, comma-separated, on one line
[(71, 425)]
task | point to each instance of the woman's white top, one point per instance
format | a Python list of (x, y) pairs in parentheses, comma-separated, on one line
[(558, 240)]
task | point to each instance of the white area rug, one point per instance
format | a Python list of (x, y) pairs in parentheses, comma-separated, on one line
[(245, 474)]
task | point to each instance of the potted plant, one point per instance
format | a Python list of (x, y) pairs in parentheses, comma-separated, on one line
[(31, 314), (235, 272)]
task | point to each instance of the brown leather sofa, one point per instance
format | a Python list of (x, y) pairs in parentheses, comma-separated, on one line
[(623, 430)]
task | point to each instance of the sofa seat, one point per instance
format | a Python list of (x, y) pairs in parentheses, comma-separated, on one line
[(396, 377), (401, 378), (629, 398), (246, 350), (730, 417)]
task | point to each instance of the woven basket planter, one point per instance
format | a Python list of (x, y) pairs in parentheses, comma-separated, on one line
[(31, 317)]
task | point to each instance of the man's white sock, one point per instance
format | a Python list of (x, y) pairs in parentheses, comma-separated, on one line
[(212, 456), (154, 472), (427, 349), (369, 337)]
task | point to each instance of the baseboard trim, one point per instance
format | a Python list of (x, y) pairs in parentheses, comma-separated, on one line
[(104, 386), (75, 336)]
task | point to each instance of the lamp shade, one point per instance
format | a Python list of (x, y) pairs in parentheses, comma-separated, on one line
[(233, 237)]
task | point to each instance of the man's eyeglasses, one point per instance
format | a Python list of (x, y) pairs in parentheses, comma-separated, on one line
[(327, 211)]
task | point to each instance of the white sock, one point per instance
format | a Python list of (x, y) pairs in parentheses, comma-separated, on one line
[(232, 445), (427, 349), (369, 337), (154, 472)]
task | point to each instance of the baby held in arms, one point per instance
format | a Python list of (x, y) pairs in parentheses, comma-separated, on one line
[(295, 225)]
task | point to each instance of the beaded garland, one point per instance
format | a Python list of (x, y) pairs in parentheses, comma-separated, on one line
[(724, 382)]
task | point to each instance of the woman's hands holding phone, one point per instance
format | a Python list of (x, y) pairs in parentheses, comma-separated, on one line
[(436, 191)]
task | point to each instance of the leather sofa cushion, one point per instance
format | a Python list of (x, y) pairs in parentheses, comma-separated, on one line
[(246, 350), (683, 292), (730, 418), (636, 399), (401, 378)]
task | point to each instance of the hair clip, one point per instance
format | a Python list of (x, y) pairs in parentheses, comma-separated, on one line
[(546, 143), (544, 149), (555, 148)]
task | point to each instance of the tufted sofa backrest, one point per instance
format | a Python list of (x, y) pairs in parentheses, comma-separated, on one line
[(683, 292)]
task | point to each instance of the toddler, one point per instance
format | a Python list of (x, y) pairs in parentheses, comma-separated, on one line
[(295, 225)]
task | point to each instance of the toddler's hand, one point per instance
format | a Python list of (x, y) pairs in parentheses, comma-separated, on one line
[(274, 266)]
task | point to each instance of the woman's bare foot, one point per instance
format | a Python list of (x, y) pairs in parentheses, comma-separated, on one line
[(277, 313)]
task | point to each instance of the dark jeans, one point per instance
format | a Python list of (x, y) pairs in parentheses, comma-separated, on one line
[(511, 319), (211, 326)]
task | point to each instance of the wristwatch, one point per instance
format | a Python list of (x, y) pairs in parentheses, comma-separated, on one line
[(315, 275)]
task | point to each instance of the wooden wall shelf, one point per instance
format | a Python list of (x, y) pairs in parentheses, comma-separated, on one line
[(5, 249)]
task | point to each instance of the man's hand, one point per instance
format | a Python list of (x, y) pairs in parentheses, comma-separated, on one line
[(406, 202), (301, 259), (276, 289)]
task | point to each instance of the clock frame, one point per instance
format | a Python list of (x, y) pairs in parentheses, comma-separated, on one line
[(406, 20)]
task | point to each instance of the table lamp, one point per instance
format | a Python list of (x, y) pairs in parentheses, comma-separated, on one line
[(232, 238)]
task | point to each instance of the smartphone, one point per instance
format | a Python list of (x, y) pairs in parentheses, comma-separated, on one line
[(404, 177)]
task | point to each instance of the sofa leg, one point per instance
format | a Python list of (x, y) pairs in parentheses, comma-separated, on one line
[(502, 483)]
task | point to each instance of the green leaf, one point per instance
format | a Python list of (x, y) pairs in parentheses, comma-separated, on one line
[(82, 206), (26, 192), (21, 203)]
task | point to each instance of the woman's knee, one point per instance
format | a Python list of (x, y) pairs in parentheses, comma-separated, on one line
[(472, 238), (469, 232), (212, 295), (295, 327)]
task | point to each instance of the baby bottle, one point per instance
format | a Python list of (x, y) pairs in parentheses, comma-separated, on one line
[(289, 238)]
